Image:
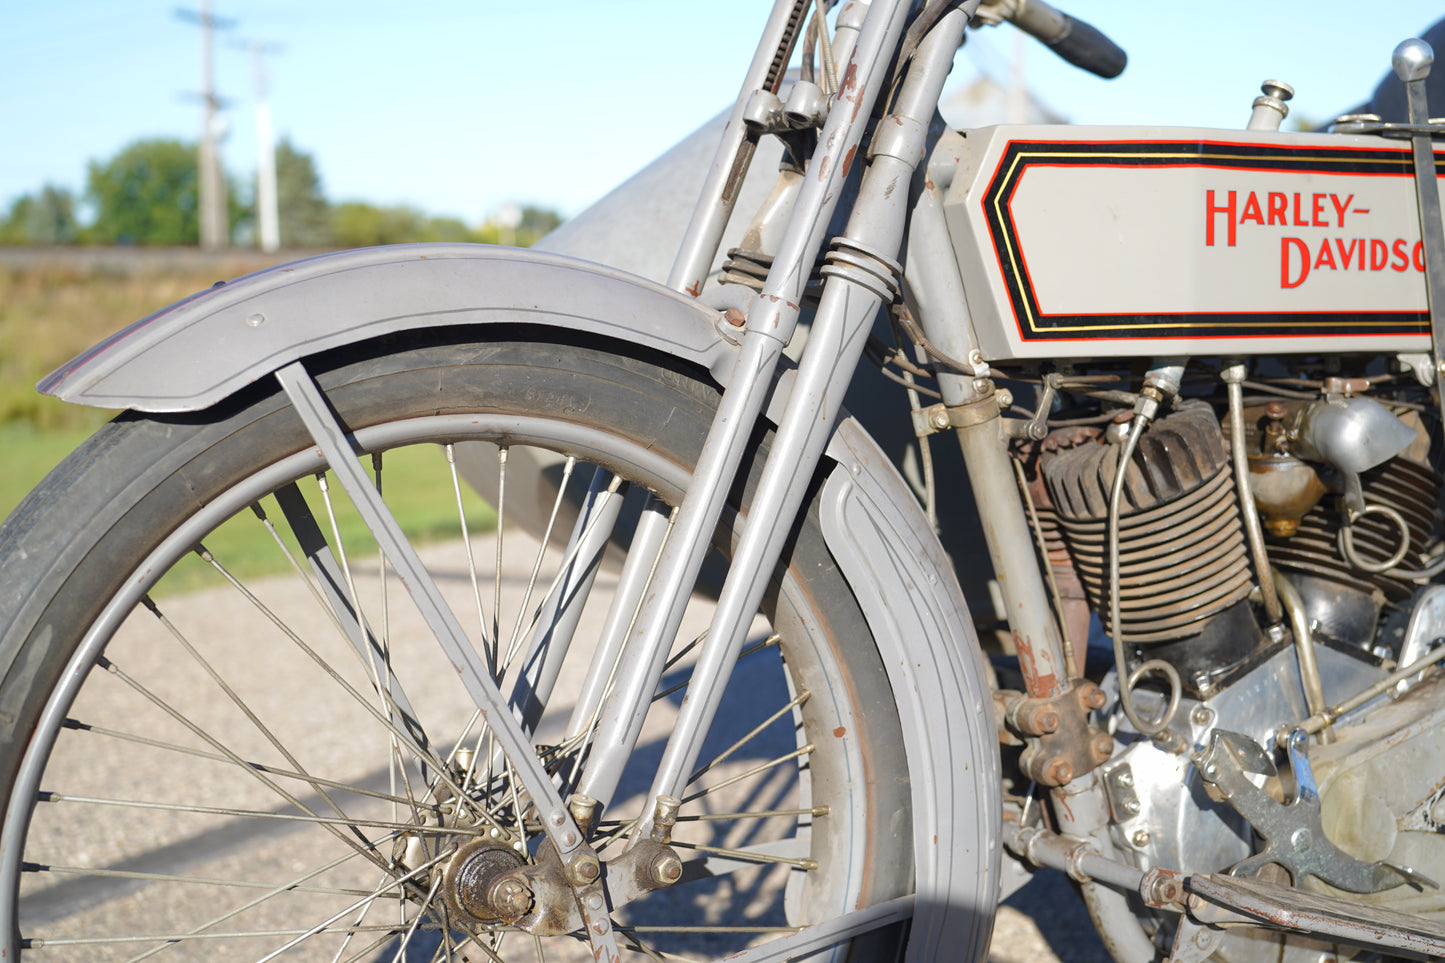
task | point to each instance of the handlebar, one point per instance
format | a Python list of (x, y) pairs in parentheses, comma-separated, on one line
[(1080, 43)]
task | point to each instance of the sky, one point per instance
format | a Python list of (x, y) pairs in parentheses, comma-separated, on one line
[(458, 107)]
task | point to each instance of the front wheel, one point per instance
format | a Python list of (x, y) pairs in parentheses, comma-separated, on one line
[(229, 734)]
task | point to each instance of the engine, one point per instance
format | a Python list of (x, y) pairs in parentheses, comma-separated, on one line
[(1346, 495), (1185, 569)]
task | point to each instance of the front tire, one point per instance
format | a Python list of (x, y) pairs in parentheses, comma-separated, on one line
[(203, 764)]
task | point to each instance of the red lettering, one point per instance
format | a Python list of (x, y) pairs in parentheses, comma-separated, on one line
[(1398, 249), (1211, 209), (1419, 255), (1277, 204), (1285, 245), (1325, 258), (1252, 211), (1298, 220), (1347, 253), (1379, 254), (1317, 208), (1340, 208)]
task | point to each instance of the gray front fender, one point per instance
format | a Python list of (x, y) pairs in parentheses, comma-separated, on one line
[(207, 347), (201, 350)]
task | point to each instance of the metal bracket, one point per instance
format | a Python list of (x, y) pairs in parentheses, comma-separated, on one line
[(1061, 744), (941, 417), (1294, 832)]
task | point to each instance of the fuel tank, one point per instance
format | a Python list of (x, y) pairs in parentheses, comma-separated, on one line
[(1116, 241)]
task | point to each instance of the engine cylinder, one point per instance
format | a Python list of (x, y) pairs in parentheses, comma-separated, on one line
[(1183, 558)]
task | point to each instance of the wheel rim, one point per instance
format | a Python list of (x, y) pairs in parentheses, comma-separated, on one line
[(410, 842)]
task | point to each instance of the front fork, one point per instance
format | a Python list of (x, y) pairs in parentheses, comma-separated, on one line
[(860, 275)]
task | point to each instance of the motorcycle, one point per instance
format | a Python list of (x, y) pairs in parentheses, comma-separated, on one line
[(704, 680)]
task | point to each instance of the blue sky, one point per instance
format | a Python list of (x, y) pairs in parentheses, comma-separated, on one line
[(457, 107)]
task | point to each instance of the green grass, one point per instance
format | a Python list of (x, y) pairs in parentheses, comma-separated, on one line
[(416, 482), (57, 305)]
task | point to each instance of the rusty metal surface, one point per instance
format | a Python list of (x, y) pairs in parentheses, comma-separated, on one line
[(1254, 901)]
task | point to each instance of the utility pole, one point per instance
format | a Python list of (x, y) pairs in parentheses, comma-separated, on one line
[(268, 217), (215, 227)]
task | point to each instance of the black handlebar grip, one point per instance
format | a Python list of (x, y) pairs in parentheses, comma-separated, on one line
[(1084, 46)]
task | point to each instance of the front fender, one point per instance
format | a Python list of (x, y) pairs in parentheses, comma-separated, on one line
[(201, 350), (196, 352)]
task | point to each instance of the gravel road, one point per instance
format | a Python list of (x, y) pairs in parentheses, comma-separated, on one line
[(1043, 922)]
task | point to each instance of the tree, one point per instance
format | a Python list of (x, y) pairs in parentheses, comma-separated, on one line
[(44, 218), (146, 194), (304, 214)]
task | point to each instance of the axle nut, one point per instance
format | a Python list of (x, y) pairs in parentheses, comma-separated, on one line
[(510, 899)]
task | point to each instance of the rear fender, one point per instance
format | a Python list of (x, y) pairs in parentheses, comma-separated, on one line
[(201, 350)]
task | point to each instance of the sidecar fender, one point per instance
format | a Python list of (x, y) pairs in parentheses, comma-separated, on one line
[(196, 352), (201, 350)]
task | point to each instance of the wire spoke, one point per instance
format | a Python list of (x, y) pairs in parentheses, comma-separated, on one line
[(308, 817), (235, 698), (489, 645), (292, 887), (363, 847), (793, 703), (425, 757), (516, 643), (350, 787), (749, 773)]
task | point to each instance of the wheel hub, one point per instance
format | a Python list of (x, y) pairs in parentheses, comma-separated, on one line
[(476, 885)]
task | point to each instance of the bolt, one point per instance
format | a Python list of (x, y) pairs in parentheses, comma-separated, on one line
[(1103, 746), (557, 817), (255, 320), (1210, 771), (666, 869), (1126, 778), (1202, 715), (1302, 839), (1094, 697), (735, 317), (585, 868), (1132, 807), (1140, 838), (1165, 889), (1204, 939), (510, 898), (1043, 720), (1059, 771), (938, 419), (983, 386)]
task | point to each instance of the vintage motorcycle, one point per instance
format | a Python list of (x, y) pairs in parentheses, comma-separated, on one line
[(703, 681)]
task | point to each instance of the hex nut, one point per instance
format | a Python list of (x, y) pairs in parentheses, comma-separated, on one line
[(585, 868), (666, 869), (1043, 720)]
